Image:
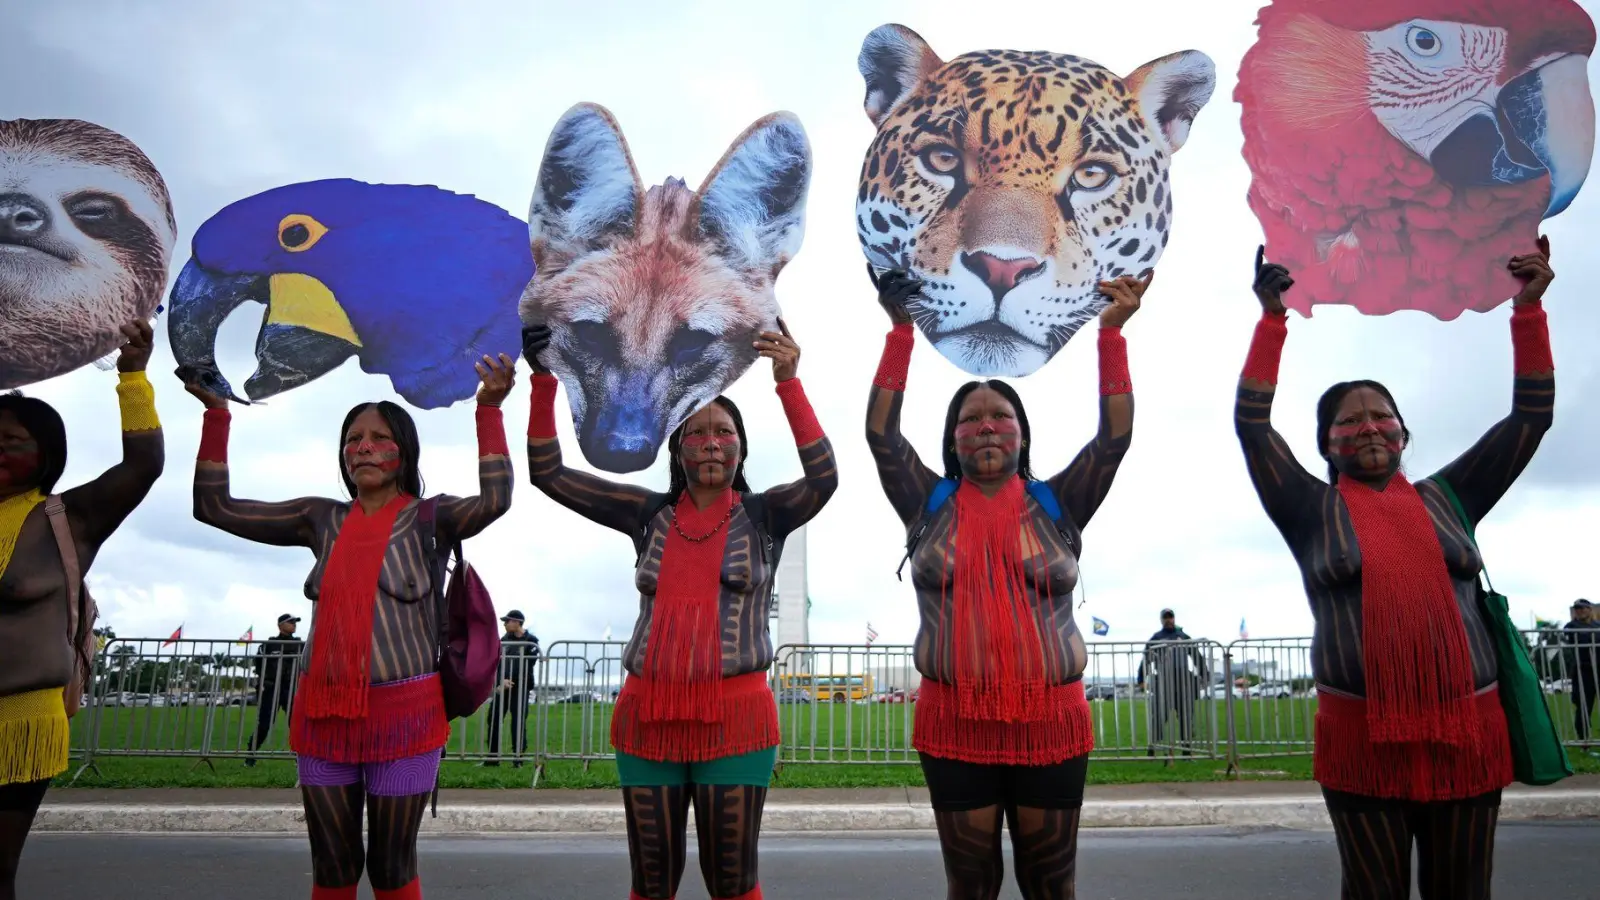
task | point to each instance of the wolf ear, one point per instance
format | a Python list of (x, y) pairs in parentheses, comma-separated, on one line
[(753, 204), (893, 60), (588, 187), (1171, 91)]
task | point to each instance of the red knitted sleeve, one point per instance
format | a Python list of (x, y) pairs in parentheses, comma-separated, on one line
[(896, 359), (1114, 376), (542, 413), (1266, 348), (214, 436), (491, 432), (802, 419), (1530, 340)]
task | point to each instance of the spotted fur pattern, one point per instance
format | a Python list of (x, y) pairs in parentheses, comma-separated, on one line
[(1011, 183)]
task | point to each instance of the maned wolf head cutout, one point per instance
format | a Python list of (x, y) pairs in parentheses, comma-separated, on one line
[(86, 233), (653, 298), (1012, 182)]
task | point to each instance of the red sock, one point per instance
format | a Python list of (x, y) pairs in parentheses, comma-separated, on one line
[(753, 894), (318, 892), (633, 896), (412, 891)]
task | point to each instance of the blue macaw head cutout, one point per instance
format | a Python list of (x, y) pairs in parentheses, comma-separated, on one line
[(415, 282)]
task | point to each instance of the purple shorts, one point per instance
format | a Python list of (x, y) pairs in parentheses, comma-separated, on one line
[(396, 778)]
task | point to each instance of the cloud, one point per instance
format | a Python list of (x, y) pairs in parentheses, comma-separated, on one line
[(231, 101)]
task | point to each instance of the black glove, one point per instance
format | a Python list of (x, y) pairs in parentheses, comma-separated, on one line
[(535, 340), (896, 289), (1272, 281)]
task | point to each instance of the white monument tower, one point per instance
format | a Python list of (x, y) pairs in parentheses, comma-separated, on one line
[(791, 602)]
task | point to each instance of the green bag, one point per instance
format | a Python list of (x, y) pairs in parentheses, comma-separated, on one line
[(1537, 755)]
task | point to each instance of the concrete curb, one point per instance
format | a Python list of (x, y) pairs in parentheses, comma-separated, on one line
[(1296, 812)]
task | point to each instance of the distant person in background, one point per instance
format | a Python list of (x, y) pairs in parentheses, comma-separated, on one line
[(519, 649), (1583, 636), (1176, 685), (277, 660)]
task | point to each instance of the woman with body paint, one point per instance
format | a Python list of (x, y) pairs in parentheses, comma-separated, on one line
[(1411, 740), (696, 721), (40, 650), (1002, 723), (368, 721)]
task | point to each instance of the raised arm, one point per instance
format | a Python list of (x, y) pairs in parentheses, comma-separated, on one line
[(466, 517), (96, 509), (283, 524), (1284, 486), (1483, 474), (793, 505), (609, 503), (1082, 486), (906, 481)]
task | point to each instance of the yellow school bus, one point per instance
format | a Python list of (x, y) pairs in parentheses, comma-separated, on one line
[(826, 688)]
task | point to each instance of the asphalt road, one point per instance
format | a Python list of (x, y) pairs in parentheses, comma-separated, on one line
[(1533, 862)]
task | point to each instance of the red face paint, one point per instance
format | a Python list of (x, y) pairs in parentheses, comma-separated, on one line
[(700, 450), (1348, 440), (384, 455), (1004, 435), (19, 463)]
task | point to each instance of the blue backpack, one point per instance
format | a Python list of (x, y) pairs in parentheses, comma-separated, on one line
[(946, 488)]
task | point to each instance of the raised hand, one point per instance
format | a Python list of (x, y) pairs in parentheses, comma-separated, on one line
[(782, 350), (140, 340), (1272, 281), (535, 338), (1533, 270), (210, 400), (1125, 293), (497, 377), (896, 288)]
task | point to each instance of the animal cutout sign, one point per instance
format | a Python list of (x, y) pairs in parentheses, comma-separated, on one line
[(1402, 151), (654, 298), (1012, 182), (86, 235), (415, 282)]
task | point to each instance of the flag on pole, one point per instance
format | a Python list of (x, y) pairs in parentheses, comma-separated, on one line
[(1100, 626), (1244, 633), (248, 636), (176, 637), (872, 633)]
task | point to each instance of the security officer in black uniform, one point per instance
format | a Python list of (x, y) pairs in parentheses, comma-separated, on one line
[(277, 662), (519, 649), (1582, 634), (1177, 686)]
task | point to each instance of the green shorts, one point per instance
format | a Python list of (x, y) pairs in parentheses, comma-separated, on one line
[(753, 769)]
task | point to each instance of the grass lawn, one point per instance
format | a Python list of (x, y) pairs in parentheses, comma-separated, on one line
[(824, 745)]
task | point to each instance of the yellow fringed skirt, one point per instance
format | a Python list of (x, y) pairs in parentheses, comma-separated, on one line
[(34, 736)]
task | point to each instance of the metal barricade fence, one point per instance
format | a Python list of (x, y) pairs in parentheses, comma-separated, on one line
[(1250, 700)]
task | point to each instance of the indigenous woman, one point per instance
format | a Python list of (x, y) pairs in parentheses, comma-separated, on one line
[(1002, 725), (368, 719), (39, 651), (1411, 740), (696, 719)]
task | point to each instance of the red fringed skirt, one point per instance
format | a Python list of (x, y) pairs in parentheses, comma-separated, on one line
[(404, 718), (1346, 760), (749, 723), (1064, 731)]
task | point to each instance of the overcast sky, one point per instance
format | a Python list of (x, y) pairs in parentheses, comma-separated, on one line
[(230, 99)]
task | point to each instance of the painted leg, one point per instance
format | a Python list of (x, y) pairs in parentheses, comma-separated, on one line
[(1044, 844), (970, 844), (727, 821), (658, 825)]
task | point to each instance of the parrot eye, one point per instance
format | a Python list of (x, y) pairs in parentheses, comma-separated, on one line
[(1423, 41), (1092, 176), (941, 159), (298, 233)]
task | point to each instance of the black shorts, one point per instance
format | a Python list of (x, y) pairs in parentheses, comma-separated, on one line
[(956, 786)]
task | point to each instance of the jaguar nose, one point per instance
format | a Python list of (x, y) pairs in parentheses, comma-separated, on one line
[(1001, 275)]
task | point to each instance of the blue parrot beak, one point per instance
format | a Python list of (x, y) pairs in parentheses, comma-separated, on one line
[(304, 334), (200, 302), (1542, 125)]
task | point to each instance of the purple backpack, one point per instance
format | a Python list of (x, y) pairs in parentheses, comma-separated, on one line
[(469, 632)]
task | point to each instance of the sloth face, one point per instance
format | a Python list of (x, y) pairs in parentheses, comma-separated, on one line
[(86, 234)]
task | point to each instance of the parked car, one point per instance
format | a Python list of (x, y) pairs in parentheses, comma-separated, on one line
[(794, 695), (894, 696), (1272, 690)]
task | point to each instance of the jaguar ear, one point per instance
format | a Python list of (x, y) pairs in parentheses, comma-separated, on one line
[(1172, 90), (893, 60)]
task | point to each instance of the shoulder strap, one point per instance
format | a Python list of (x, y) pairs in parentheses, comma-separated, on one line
[(1466, 523), (55, 511), (428, 525), (653, 505), (1046, 499), (943, 490)]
